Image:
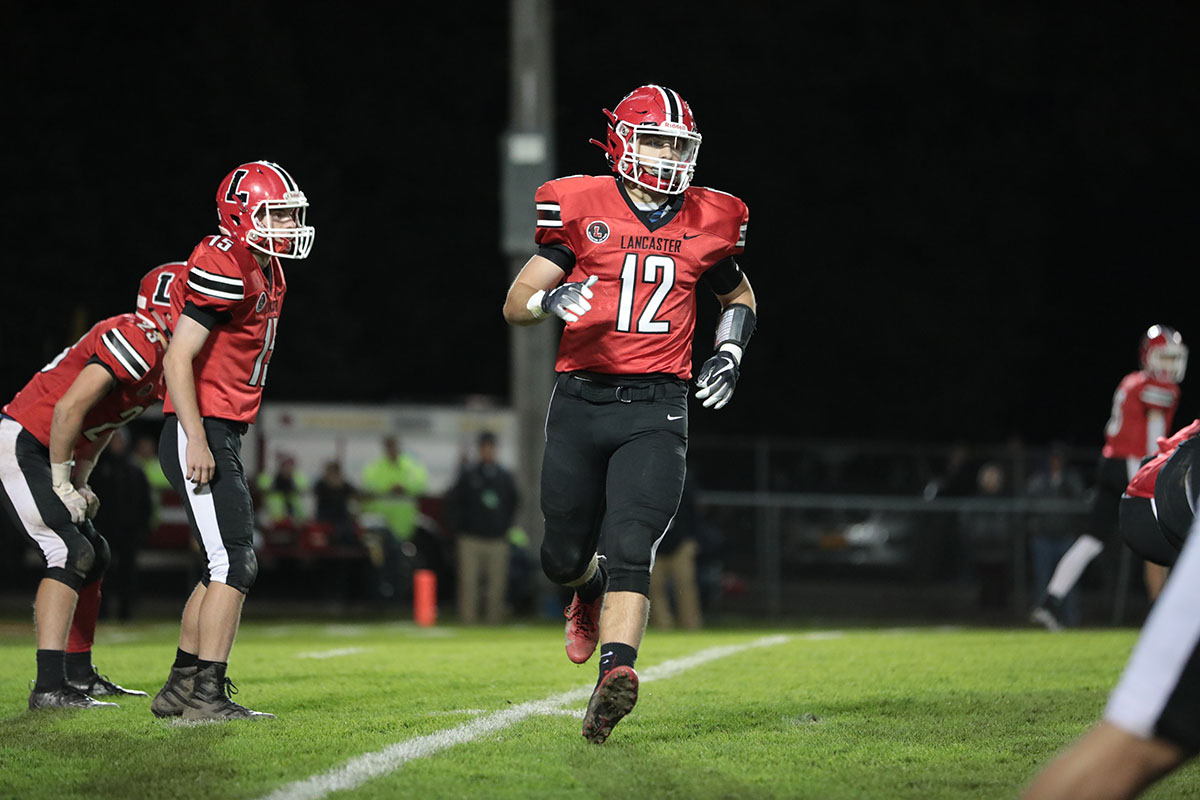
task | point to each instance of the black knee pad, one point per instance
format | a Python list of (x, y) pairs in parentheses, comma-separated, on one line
[(243, 568), (628, 559), (81, 556), (103, 554), (563, 567)]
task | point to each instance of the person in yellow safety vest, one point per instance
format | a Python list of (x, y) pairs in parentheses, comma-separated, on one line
[(146, 454), (283, 493), (393, 484)]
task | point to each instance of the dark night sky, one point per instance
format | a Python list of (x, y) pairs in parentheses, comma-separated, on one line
[(962, 214)]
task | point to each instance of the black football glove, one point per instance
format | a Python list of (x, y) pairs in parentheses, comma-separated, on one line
[(569, 301), (716, 380)]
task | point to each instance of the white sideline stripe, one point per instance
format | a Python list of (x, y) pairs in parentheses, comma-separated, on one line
[(361, 769), (341, 651)]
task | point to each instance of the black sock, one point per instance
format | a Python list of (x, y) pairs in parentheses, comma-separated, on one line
[(616, 654), (51, 670), (202, 664), (184, 659), (79, 666), (595, 587)]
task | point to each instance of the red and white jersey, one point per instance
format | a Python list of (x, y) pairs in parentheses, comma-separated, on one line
[(1142, 484), (225, 282), (644, 302), (128, 347), (1126, 435)]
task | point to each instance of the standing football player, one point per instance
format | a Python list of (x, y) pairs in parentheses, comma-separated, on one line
[(1142, 409), (51, 434), (619, 260), (226, 317)]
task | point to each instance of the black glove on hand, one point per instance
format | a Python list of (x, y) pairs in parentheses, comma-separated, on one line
[(716, 380)]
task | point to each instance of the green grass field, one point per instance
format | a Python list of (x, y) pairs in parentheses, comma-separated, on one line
[(379, 710)]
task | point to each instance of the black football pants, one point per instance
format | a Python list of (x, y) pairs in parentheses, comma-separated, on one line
[(612, 476)]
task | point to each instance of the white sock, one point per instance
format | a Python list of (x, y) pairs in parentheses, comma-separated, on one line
[(1072, 564)]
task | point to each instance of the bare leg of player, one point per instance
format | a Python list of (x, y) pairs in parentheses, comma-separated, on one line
[(219, 615), (53, 609), (1156, 576), (189, 625), (624, 618)]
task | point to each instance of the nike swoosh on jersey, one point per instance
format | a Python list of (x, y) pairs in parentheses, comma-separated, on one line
[(674, 418), (693, 236)]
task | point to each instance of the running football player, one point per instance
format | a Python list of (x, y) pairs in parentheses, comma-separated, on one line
[(226, 318), (51, 434), (619, 260), (1143, 406)]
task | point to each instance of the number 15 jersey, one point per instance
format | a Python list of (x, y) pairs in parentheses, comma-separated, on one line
[(228, 293), (647, 265)]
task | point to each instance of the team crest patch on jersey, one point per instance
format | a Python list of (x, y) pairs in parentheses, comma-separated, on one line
[(597, 231), (261, 304)]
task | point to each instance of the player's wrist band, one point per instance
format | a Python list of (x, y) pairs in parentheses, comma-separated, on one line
[(534, 304)]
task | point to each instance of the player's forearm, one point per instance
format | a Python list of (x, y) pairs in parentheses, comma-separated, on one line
[(516, 305), (181, 386), (65, 426), (86, 457)]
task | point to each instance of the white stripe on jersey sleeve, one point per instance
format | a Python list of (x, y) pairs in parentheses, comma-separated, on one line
[(214, 285), (1155, 396), (124, 352)]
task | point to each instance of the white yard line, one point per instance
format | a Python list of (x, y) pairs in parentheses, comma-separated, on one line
[(368, 766), (336, 653)]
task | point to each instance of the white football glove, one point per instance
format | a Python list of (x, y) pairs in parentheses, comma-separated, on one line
[(568, 302), (716, 380), (60, 479)]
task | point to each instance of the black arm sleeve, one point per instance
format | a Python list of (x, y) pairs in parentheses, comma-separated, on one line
[(723, 277), (207, 317), (560, 254)]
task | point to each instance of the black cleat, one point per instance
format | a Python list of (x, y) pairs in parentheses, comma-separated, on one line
[(65, 697), (99, 686), (614, 697), (212, 699), (173, 696)]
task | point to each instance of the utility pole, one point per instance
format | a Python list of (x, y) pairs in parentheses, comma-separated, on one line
[(527, 161)]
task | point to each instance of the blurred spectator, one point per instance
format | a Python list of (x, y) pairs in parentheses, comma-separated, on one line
[(988, 535), (145, 452), (674, 591), (281, 495), (335, 498), (482, 505), (124, 518), (1053, 534), (394, 482)]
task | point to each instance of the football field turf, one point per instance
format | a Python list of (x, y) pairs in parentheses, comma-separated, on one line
[(385, 710)]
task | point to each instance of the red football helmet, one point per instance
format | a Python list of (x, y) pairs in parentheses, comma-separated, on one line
[(245, 200), (154, 295), (1163, 353), (653, 119)]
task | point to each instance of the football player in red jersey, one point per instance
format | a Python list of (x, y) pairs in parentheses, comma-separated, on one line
[(226, 317), (619, 259), (51, 434), (1144, 404)]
